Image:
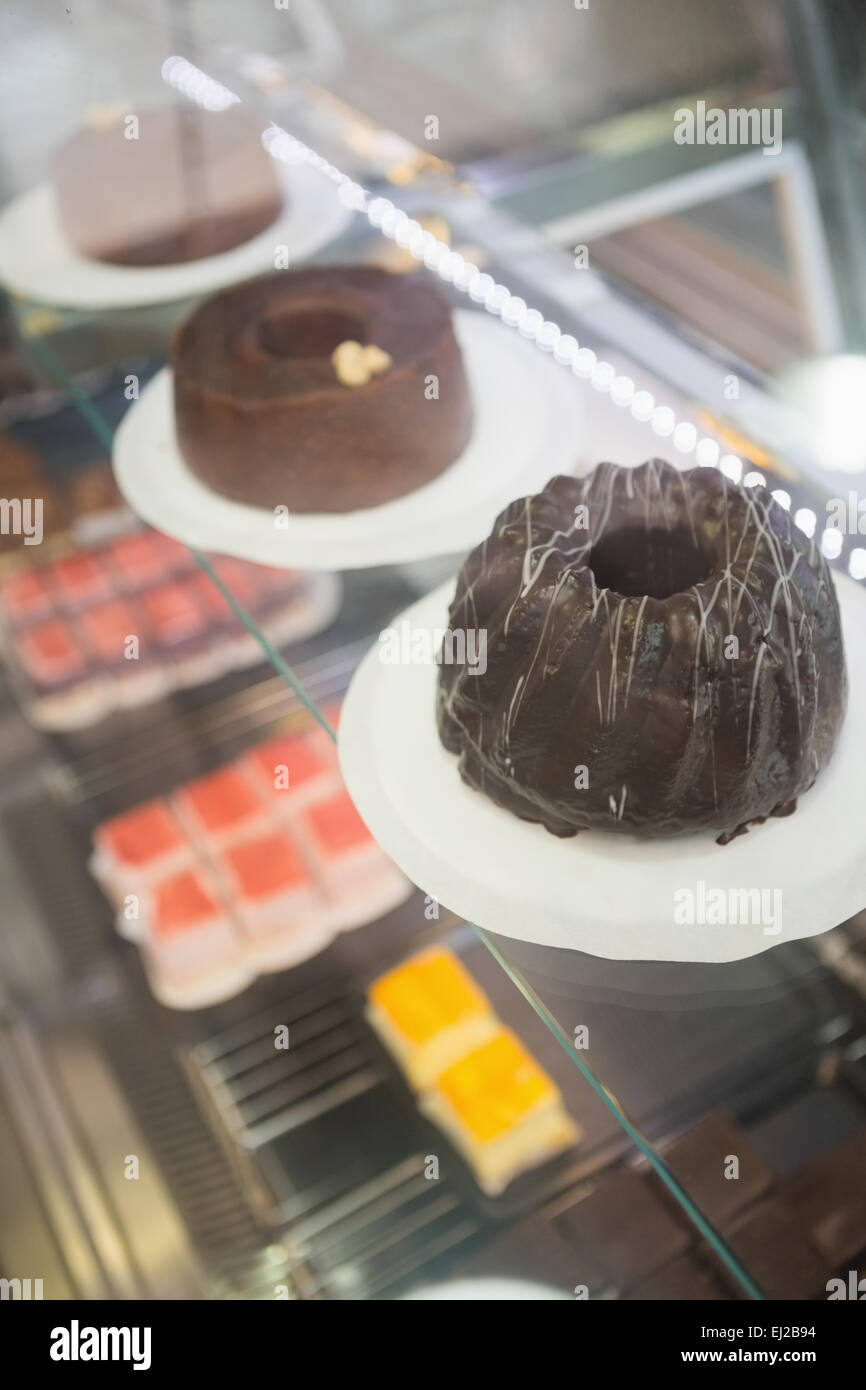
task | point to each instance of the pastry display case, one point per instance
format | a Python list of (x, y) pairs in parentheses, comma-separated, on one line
[(363, 942)]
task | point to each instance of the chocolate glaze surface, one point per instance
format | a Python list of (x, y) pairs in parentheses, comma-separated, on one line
[(262, 417), (666, 638)]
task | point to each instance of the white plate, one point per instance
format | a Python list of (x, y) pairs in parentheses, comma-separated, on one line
[(37, 262), (528, 419), (610, 895)]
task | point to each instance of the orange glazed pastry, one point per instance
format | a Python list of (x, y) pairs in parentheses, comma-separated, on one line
[(501, 1111), (428, 1012)]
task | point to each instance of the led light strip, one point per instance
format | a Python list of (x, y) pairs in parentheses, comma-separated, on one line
[(497, 299)]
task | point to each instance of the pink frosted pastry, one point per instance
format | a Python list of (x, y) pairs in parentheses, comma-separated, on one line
[(191, 950), (79, 580), (116, 639), (357, 877), (221, 809), (182, 630), (291, 772), (63, 690), (136, 849), (280, 907), (138, 561), (51, 653), (26, 598)]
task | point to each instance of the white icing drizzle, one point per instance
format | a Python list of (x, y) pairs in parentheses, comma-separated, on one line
[(572, 557), (703, 637), (617, 810), (614, 650), (758, 663), (512, 708)]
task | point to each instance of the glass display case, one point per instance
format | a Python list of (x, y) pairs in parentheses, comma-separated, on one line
[(289, 1011)]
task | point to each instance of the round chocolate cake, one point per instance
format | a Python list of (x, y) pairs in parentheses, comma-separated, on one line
[(165, 186), (323, 390), (663, 654)]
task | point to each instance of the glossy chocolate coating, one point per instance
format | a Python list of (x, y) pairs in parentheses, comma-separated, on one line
[(609, 604)]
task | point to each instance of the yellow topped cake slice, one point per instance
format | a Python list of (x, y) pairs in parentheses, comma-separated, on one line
[(429, 1012), (501, 1110)]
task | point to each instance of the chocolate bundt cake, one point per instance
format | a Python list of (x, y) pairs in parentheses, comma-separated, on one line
[(179, 184), (323, 390), (663, 654)]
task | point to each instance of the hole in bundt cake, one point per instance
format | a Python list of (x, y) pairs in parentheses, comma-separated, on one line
[(311, 333), (635, 561)]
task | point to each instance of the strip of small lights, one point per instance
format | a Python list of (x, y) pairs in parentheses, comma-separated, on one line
[(807, 520), (831, 543), (497, 299), (194, 84), (514, 312), (467, 278)]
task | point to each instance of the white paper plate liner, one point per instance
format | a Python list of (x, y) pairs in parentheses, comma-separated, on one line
[(610, 895), (528, 427)]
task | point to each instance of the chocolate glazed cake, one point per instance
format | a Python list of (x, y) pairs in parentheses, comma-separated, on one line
[(664, 654), (314, 389)]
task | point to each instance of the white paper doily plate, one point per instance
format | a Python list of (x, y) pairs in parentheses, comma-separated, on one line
[(528, 422), (605, 894), (36, 260)]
